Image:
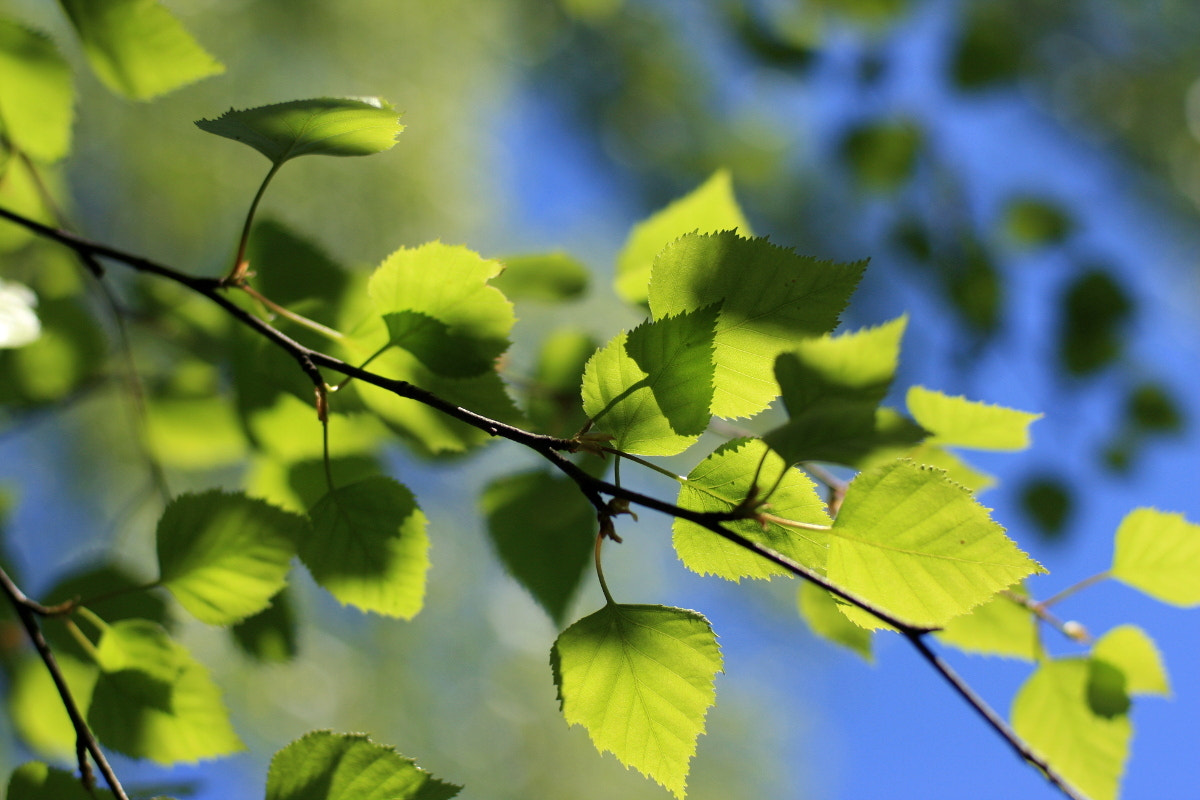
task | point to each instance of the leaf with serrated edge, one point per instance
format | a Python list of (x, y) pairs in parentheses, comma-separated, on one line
[(999, 627), (959, 422), (328, 126), (1051, 712), (650, 388), (153, 700), (918, 545), (640, 679), (821, 611), (35, 93), (770, 297), (223, 556), (367, 546), (322, 765), (438, 305), (1159, 553), (1131, 650), (711, 207), (719, 484), (137, 48)]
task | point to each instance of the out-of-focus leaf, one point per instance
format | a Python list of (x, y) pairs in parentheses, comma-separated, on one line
[(1094, 309), (553, 404), (1049, 503), (327, 126), (36, 98), (69, 352), (552, 277), (1151, 408), (976, 289), (990, 47), (1032, 222), (36, 708), (1159, 553), (821, 611), (20, 194), (270, 635), (1132, 651), (882, 154), (999, 627), (294, 272), (37, 781), (137, 48)]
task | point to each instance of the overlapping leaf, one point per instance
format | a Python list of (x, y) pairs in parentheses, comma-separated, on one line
[(1052, 712), (36, 99), (650, 388), (153, 700), (327, 126), (711, 207), (38, 781), (549, 277), (959, 422), (770, 298), (223, 555), (640, 680), (35, 706), (368, 547), (438, 305), (137, 48), (822, 612), (719, 484), (999, 627), (338, 766), (1159, 554), (920, 546), (1132, 651)]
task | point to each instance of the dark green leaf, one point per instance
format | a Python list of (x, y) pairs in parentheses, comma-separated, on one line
[(111, 592), (553, 404), (882, 154), (270, 635), (1094, 309), (1151, 408), (1032, 222), (1133, 652), (294, 272), (1048, 502)]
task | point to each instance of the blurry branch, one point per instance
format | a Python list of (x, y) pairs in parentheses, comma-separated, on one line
[(553, 449)]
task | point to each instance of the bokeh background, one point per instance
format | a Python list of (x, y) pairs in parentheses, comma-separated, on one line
[(1023, 174)]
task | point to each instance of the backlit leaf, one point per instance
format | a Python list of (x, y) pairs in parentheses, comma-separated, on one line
[(959, 422), (650, 388), (270, 635), (137, 48), (153, 700), (1159, 554), (1129, 649), (999, 627), (552, 277), (711, 207), (223, 555), (920, 546), (36, 99), (719, 484), (349, 766), (36, 709), (327, 126), (438, 305), (1052, 713), (640, 679), (822, 612), (368, 547), (38, 781), (769, 298), (543, 529)]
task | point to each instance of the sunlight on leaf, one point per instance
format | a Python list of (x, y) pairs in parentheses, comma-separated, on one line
[(1159, 554), (36, 98), (36, 709), (1133, 652), (37, 781), (821, 611), (999, 627), (959, 422)]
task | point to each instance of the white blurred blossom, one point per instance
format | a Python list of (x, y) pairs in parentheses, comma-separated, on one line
[(19, 324)]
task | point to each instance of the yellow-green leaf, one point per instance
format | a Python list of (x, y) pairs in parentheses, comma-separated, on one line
[(822, 612), (959, 422), (1131, 650), (1159, 554), (36, 100)]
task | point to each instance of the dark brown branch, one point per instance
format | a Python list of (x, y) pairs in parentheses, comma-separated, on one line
[(85, 742)]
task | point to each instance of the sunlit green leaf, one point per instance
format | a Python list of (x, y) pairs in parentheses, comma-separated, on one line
[(270, 635), (348, 766), (194, 432), (328, 126), (543, 529), (999, 627), (719, 484), (552, 277), (20, 193), (36, 99), (1052, 713), (368, 547), (290, 430), (223, 555), (137, 48), (36, 708), (920, 546), (153, 700), (821, 611), (769, 298), (1159, 554), (37, 781), (1132, 651), (68, 354), (438, 305), (640, 680), (711, 207), (109, 590), (959, 422)]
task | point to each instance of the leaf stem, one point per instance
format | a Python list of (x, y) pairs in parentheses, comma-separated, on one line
[(600, 536), (643, 462), (237, 273), (793, 523), (1099, 577), (299, 319)]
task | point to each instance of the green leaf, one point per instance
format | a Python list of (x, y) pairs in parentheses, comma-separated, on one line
[(1052, 713), (108, 590), (136, 48), (438, 305), (650, 388), (38, 781), (35, 706), (711, 207), (368, 547), (719, 484), (327, 126), (153, 700), (822, 612), (959, 422), (1095, 309), (543, 529), (36, 98), (999, 627), (640, 679), (338, 766), (1032, 222), (769, 298), (882, 154), (832, 388), (552, 402), (1132, 651), (224, 556), (551, 277), (294, 271), (1159, 553), (20, 193), (920, 546), (270, 635)]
